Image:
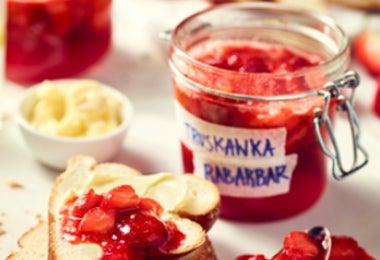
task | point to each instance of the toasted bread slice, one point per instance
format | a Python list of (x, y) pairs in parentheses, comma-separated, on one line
[(368, 5), (190, 202), (33, 244)]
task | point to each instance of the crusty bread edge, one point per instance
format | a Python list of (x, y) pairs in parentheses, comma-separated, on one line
[(87, 164), (23, 245), (204, 252), (76, 167)]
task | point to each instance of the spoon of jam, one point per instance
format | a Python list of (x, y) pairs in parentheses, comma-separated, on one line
[(321, 235)]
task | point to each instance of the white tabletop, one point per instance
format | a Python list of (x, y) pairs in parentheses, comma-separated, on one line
[(137, 65)]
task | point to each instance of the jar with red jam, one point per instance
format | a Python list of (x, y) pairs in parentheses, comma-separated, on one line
[(2, 42), (48, 39), (256, 88)]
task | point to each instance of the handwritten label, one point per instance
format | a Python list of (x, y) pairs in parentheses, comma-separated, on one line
[(241, 162), (242, 178)]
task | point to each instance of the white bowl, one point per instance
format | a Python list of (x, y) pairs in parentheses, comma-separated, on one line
[(54, 151)]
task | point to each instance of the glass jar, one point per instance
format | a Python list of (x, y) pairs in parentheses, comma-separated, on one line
[(50, 39), (255, 125), (2, 44)]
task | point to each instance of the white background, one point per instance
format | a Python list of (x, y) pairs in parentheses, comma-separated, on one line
[(137, 65)]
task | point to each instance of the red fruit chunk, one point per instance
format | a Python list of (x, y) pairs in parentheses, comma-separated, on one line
[(121, 197), (175, 237), (251, 257), (344, 248), (254, 64), (150, 205), (85, 202), (98, 220), (145, 231), (366, 47), (376, 104), (363, 255), (300, 244), (118, 251), (124, 225), (255, 60)]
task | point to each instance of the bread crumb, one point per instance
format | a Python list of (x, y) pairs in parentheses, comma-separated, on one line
[(14, 184), (2, 232), (38, 216)]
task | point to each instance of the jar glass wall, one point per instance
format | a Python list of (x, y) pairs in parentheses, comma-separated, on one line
[(3, 16), (50, 39), (250, 129)]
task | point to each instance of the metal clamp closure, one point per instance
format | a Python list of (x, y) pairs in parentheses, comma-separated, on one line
[(321, 119)]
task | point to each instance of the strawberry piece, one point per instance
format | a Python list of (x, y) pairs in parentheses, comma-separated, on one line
[(151, 206), (98, 220), (344, 247), (376, 104), (121, 197), (85, 202), (251, 257), (175, 237), (366, 48), (363, 255), (300, 244), (116, 251), (145, 231)]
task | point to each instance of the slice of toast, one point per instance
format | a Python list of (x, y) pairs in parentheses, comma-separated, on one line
[(367, 5), (190, 202), (33, 244)]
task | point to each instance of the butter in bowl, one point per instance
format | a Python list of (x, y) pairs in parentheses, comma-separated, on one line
[(62, 118)]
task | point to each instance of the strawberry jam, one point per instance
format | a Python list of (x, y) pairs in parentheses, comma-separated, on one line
[(251, 104), (49, 39), (124, 225), (277, 138), (299, 246)]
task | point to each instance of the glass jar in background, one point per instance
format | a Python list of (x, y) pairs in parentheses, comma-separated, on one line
[(2, 44), (50, 39), (254, 105)]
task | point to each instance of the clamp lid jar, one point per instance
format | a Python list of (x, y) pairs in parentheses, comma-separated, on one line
[(256, 88)]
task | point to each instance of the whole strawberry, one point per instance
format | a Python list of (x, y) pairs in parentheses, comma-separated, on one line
[(366, 49), (376, 103)]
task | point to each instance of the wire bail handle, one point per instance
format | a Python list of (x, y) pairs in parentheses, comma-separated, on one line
[(321, 119)]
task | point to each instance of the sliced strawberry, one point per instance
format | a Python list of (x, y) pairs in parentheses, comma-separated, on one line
[(150, 205), (363, 255), (344, 247), (300, 244), (376, 103), (98, 220), (121, 197), (116, 251), (175, 237), (366, 48), (251, 257), (145, 231), (85, 202)]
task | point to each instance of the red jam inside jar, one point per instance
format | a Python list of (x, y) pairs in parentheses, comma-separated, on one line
[(124, 225), (49, 39), (246, 81), (300, 136)]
